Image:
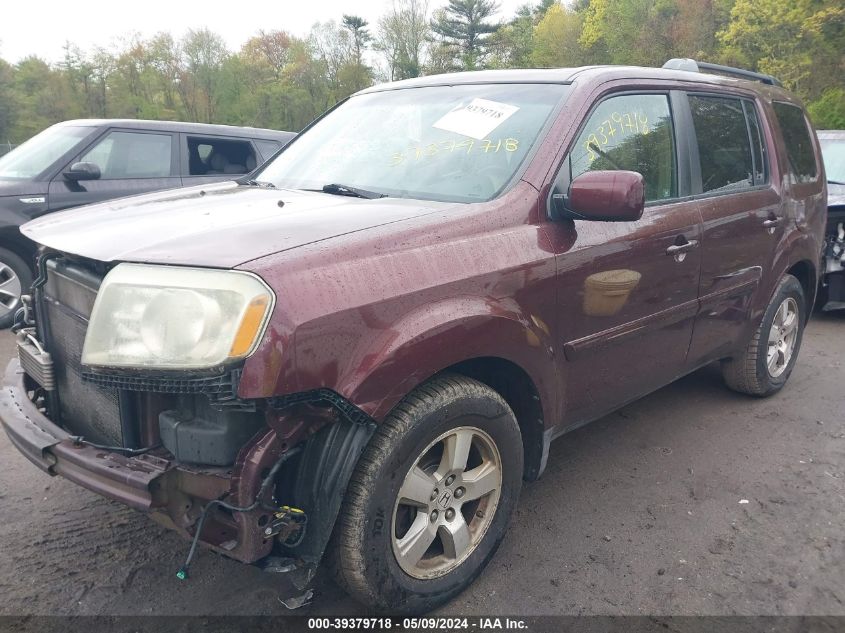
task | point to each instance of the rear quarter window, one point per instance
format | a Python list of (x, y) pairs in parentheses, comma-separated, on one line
[(797, 140), (267, 148)]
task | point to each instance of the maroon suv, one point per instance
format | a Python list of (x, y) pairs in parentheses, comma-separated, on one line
[(366, 348)]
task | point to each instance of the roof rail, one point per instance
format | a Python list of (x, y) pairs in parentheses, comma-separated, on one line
[(696, 67)]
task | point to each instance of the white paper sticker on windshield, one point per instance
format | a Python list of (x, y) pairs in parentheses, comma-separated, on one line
[(476, 119)]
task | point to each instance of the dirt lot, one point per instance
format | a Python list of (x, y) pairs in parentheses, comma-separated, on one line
[(642, 512)]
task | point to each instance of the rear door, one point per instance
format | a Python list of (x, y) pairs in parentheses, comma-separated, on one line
[(628, 291), (742, 217), (805, 199), (130, 161)]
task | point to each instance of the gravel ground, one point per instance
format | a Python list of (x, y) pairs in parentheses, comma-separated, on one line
[(691, 501)]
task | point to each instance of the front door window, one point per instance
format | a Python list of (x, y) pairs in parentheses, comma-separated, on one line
[(123, 155)]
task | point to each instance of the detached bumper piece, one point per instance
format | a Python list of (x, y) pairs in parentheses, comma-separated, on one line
[(129, 480)]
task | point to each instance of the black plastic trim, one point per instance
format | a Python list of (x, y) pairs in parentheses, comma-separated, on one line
[(325, 396), (225, 384), (324, 471)]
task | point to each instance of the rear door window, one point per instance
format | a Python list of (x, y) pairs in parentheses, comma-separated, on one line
[(121, 155), (796, 138), (634, 133), (208, 156), (724, 144)]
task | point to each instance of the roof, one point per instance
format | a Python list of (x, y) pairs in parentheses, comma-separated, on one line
[(831, 134), (182, 126), (570, 75), (526, 75)]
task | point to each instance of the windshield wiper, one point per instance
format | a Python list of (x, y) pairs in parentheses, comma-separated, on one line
[(346, 190), (258, 183), (835, 182)]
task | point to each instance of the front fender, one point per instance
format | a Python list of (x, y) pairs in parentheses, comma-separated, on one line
[(437, 336)]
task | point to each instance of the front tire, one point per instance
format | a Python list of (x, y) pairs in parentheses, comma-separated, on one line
[(764, 366), (431, 497)]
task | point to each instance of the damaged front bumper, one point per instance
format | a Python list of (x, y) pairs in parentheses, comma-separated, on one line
[(130, 480), (173, 493)]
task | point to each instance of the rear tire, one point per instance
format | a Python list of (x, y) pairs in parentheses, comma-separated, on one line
[(415, 528), (15, 279), (765, 364)]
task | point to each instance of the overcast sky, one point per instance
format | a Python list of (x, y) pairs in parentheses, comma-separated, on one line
[(33, 27)]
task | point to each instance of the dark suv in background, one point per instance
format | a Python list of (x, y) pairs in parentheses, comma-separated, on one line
[(365, 347), (79, 162)]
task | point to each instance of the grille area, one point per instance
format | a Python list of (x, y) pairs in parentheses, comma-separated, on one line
[(86, 409)]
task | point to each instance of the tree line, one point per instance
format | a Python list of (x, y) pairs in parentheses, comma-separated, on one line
[(278, 80)]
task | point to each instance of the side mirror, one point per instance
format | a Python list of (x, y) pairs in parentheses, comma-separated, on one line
[(82, 171), (604, 196)]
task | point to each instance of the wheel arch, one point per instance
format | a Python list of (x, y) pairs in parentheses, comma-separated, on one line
[(517, 388), (12, 239), (805, 272), (342, 444)]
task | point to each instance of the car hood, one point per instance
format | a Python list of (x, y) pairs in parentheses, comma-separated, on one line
[(13, 187), (219, 225)]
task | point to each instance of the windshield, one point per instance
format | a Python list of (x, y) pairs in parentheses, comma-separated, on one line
[(833, 153), (459, 143), (41, 151)]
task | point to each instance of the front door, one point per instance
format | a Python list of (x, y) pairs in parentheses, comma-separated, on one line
[(627, 292), (130, 162)]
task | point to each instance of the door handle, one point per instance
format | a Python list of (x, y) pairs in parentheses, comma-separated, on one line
[(678, 249), (771, 224)]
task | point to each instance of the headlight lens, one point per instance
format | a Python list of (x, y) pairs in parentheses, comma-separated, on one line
[(162, 317)]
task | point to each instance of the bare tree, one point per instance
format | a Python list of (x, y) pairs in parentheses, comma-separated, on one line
[(164, 60), (402, 36), (334, 48), (270, 48)]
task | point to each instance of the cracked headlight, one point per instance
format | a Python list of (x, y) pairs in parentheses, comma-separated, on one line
[(167, 317)]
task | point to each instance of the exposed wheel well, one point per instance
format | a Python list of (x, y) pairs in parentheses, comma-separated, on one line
[(12, 239), (805, 272), (519, 391)]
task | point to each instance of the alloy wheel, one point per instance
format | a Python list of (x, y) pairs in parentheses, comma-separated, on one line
[(446, 503), (10, 289), (782, 336)]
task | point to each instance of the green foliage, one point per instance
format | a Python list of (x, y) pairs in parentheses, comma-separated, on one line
[(800, 42), (513, 44), (556, 39), (7, 105), (828, 111), (281, 81)]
